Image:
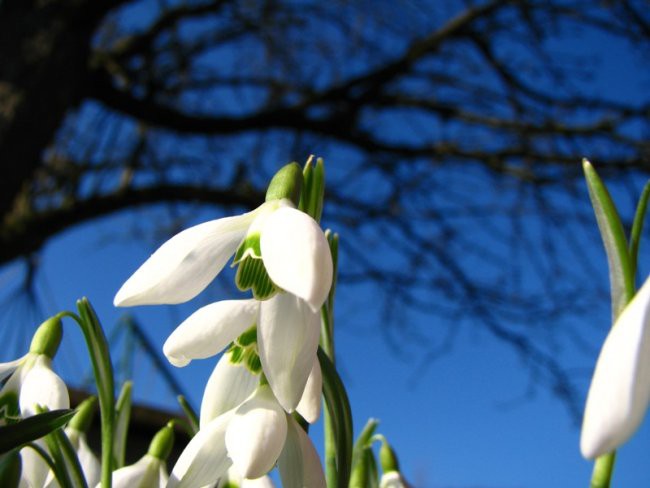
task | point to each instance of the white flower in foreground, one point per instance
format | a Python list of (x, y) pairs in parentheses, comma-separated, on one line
[(234, 480), (293, 248), (150, 470), (620, 388), (147, 472), (247, 440), (287, 339), (299, 464)]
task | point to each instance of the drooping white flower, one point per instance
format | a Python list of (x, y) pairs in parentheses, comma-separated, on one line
[(256, 434), (244, 443), (299, 464), (294, 251), (393, 479), (234, 480), (148, 472), (287, 338), (620, 388)]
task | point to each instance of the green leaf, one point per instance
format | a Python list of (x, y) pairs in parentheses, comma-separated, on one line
[(364, 469), (32, 428), (103, 371), (637, 226), (67, 467), (338, 408), (10, 469), (122, 418), (192, 418), (621, 274)]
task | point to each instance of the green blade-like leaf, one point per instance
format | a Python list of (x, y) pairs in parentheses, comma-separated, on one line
[(621, 275), (32, 428), (637, 226), (103, 371), (122, 418), (10, 469), (338, 407)]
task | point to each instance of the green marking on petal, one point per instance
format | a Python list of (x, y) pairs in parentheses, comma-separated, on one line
[(253, 363), (252, 275), (248, 337), (9, 409), (249, 247), (236, 354)]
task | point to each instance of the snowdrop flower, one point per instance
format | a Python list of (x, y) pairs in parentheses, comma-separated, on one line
[(149, 471), (620, 388), (287, 339), (247, 440), (30, 380), (289, 243), (234, 480), (76, 432), (391, 476), (393, 479)]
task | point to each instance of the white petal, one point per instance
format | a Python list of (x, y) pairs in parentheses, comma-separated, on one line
[(256, 434), (7, 369), (42, 386), (209, 330), (296, 255), (392, 479), (287, 339), (34, 468), (620, 388), (228, 386), (204, 459), (262, 482), (310, 403), (299, 463), (145, 473), (184, 265), (90, 465)]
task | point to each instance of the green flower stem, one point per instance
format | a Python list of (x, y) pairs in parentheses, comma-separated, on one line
[(601, 476), (192, 418), (103, 370)]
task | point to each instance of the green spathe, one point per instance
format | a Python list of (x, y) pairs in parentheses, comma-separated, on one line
[(47, 338), (287, 183), (387, 458)]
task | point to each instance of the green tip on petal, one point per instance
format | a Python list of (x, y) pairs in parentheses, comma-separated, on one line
[(287, 183), (84, 416), (47, 338), (162, 443)]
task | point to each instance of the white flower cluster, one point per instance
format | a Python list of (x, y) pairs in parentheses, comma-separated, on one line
[(246, 426)]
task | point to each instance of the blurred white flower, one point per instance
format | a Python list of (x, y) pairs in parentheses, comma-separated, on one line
[(620, 388), (393, 479), (148, 472)]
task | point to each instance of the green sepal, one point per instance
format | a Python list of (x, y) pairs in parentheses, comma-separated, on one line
[(10, 469), (621, 276), (637, 226), (163, 442), (47, 338), (122, 419), (286, 183), (32, 428), (252, 275)]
